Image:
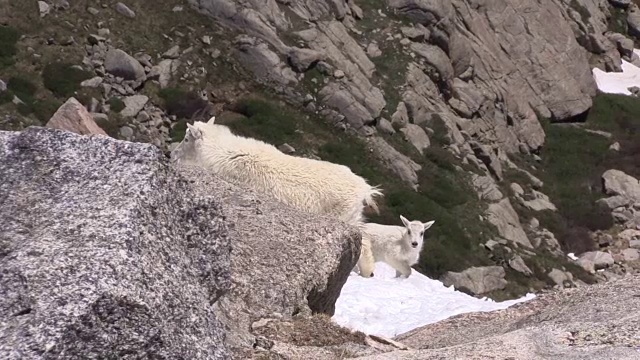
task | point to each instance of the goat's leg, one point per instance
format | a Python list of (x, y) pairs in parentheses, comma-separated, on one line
[(366, 262), (402, 270)]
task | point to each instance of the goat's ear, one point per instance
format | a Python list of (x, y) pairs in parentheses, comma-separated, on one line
[(212, 120), (404, 221), (428, 224), (194, 132)]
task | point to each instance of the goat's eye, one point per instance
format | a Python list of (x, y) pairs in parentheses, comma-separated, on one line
[(421, 233)]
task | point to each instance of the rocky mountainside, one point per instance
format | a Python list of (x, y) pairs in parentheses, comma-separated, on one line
[(456, 109)]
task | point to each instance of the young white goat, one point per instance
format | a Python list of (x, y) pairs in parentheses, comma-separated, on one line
[(309, 185), (398, 246)]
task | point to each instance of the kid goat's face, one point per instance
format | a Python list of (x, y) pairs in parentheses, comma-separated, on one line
[(415, 231)]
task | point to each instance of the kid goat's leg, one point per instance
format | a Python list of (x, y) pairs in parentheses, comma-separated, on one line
[(366, 263)]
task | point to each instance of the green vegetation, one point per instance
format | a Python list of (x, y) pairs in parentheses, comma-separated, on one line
[(112, 125), (62, 79), (181, 103), (573, 161), (444, 194), (618, 21), (116, 104), (8, 39), (26, 91)]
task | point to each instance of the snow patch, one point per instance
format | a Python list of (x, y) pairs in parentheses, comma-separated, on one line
[(389, 306), (618, 82)]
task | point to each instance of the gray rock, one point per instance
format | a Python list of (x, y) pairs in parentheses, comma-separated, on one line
[(614, 202), (206, 39), (385, 126), (319, 254), (164, 71), (265, 64), (477, 280), (559, 277), (630, 254), (3, 86), (392, 159), (416, 136), (635, 244), (616, 145), (119, 63), (373, 50), (73, 116), (43, 8), (589, 322), (93, 11), (303, 59), (106, 252), (287, 149), (172, 53), (623, 44), (537, 201), (505, 219), (435, 57), (594, 260), (518, 264), (486, 188), (93, 82), (133, 105), (417, 33), (124, 10), (126, 132), (401, 116), (616, 182)]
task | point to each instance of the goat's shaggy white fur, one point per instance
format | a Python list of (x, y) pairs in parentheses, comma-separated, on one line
[(398, 246), (309, 185)]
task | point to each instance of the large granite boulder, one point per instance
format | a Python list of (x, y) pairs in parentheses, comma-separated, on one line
[(284, 262), (105, 252)]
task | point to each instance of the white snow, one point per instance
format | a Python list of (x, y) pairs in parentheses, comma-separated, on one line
[(618, 82), (572, 256), (387, 306)]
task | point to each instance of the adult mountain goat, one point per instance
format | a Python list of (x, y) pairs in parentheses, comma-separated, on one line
[(398, 246), (309, 185)]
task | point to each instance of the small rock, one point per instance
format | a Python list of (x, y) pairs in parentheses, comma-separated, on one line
[(595, 260), (119, 63), (94, 39), (615, 146), (44, 8), (385, 126), (286, 148), (635, 244), (126, 132), (559, 276), (124, 10), (518, 264), (172, 53), (338, 74), (3, 86), (133, 105), (373, 50), (73, 116), (631, 254), (104, 32), (517, 189), (405, 41), (177, 8), (206, 39), (93, 82), (93, 11)]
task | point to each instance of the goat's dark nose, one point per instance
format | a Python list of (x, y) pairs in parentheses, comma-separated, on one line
[(414, 244)]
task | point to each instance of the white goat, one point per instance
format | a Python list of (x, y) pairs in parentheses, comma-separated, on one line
[(398, 246), (309, 185)]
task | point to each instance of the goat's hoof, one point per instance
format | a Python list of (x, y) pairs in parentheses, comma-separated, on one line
[(371, 275)]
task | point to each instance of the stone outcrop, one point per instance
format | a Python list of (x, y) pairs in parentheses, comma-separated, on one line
[(595, 322), (104, 250), (73, 116), (476, 280), (283, 261), (108, 249)]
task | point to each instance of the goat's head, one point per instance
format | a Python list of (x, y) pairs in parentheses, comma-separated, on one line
[(188, 150), (415, 231)]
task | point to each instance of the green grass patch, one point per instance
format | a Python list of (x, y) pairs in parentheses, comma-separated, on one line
[(8, 39), (62, 79), (23, 88), (116, 104), (181, 103)]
